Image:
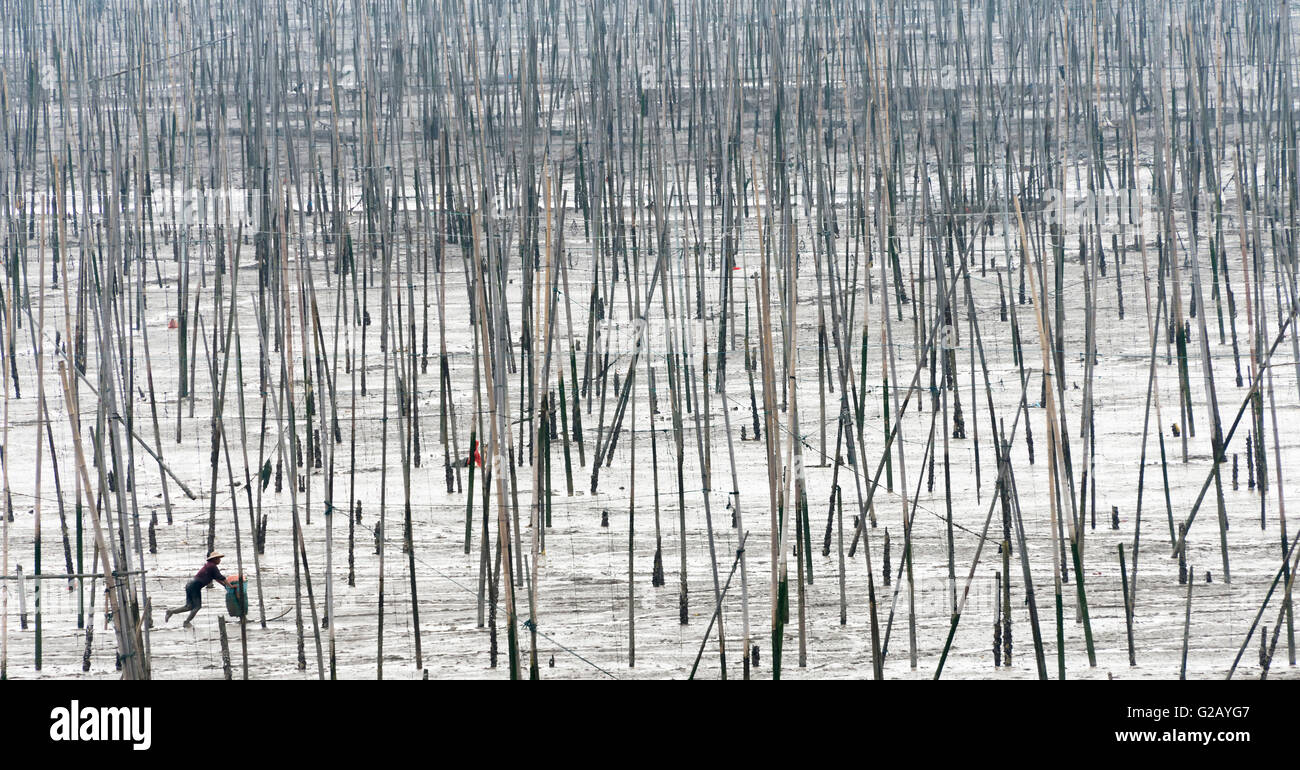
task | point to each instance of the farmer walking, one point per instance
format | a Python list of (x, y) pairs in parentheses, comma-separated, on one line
[(194, 588)]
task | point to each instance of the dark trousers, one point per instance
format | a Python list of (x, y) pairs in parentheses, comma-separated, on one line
[(193, 599)]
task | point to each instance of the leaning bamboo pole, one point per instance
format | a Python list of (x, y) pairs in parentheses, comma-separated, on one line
[(117, 591), (6, 508), (1055, 450)]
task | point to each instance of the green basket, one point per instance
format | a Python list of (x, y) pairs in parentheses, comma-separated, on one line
[(236, 598)]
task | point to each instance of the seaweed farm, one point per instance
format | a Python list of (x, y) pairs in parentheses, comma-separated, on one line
[(748, 339)]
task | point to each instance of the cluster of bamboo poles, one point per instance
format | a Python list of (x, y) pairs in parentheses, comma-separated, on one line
[(728, 190)]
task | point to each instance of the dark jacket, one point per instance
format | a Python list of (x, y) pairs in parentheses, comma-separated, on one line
[(208, 574)]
